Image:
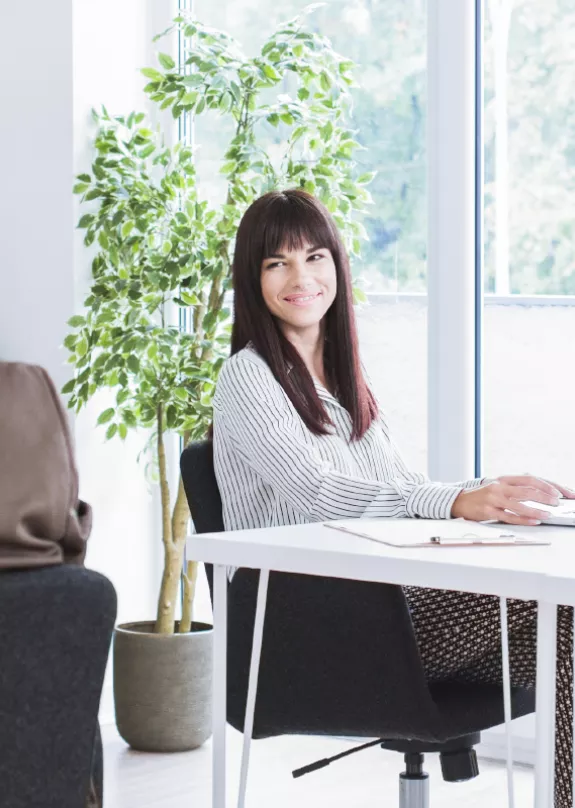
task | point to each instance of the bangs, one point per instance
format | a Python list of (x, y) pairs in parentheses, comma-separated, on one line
[(293, 223)]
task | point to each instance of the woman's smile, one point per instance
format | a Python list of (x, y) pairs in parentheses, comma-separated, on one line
[(303, 300)]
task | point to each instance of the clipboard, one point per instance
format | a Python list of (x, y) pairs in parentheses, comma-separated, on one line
[(405, 533)]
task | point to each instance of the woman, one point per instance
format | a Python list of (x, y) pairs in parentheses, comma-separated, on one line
[(299, 437)]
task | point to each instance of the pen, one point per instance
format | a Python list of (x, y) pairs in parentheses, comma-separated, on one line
[(473, 539)]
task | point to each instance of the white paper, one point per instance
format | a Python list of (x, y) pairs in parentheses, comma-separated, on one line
[(417, 532)]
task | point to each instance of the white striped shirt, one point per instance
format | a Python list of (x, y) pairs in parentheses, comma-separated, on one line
[(271, 470)]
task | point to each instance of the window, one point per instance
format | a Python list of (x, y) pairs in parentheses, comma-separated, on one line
[(388, 42), (529, 314)]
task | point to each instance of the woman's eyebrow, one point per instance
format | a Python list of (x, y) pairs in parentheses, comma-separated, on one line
[(281, 255)]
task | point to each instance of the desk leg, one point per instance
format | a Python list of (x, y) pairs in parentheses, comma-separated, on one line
[(219, 705), (253, 682), (545, 713), (507, 701)]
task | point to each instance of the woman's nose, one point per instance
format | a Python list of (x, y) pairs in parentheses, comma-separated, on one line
[(302, 271)]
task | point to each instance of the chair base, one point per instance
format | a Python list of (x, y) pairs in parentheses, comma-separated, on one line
[(414, 783)]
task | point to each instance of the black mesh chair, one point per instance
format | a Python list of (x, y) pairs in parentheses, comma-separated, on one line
[(56, 624), (340, 658)]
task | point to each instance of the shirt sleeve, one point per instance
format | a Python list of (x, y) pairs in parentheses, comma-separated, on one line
[(266, 432)]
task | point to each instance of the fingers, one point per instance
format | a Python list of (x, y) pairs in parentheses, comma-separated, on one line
[(522, 493), (527, 480), (514, 519), (568, 493)]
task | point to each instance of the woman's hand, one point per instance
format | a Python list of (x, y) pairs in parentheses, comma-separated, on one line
[(503, 500)]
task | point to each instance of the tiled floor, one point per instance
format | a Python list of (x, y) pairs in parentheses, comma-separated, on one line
[(366, 780)]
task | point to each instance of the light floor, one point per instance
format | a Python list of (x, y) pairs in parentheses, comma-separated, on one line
[(366, 780)]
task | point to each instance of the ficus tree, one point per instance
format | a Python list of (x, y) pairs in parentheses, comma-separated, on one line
[(162, 251)]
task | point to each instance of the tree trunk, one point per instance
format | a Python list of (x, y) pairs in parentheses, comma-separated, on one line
[(172, 558), (169, 590), (189, 577)]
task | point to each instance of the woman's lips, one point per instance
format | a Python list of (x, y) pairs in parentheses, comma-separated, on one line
[(302, 300)]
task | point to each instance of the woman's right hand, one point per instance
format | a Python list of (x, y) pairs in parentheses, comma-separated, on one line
[(503, 500)]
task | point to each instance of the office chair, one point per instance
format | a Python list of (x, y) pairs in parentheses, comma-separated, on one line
[(56, 624), (340, 658)]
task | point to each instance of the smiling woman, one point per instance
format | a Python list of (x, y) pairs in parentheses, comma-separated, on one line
[(293, 302)]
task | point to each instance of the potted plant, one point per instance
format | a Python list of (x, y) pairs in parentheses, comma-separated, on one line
[(155, 325)]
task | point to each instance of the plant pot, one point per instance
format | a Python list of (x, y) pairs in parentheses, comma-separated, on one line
[(163, 687)]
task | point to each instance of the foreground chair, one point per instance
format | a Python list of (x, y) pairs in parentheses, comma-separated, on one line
[(56, 625), (340, 658)]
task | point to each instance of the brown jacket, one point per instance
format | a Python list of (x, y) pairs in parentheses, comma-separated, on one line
[(42, 522)]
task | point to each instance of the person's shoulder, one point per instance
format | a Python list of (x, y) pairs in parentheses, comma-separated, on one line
[(245, 369)]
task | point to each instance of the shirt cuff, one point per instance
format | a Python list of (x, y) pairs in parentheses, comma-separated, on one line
[(477, 483), (432, 500)]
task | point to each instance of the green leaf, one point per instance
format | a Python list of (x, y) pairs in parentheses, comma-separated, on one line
[(80, 187), (106, 416), (166, 61), (68, 387), (271, 73), (365, 179), (84, 178), (359, 295), (129, 418), (122, 431), (81, 347), (133, 363), (76, 321), (189, 299), (86, 220), (127, 228), (111, 431), (151, 73)]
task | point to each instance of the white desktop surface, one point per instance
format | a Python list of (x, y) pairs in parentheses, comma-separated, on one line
[(316, 550)]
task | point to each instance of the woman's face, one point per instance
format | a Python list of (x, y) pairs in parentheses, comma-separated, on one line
[(299, 286)]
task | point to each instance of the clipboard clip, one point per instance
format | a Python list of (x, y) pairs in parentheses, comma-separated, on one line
[(473, 538)]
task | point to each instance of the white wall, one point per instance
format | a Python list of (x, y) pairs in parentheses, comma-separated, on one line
[(36, 209)]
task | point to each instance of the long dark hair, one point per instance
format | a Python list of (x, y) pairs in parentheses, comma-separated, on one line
[(289, 219)]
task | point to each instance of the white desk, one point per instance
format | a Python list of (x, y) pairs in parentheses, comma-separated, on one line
[(529, 573)]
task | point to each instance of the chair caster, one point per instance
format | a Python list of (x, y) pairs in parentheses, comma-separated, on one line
[(414, 783)]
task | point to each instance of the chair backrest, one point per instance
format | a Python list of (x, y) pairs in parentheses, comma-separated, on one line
[(202, 493), (56, 624)]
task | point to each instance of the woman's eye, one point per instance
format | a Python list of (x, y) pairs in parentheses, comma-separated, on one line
[(316, 257)]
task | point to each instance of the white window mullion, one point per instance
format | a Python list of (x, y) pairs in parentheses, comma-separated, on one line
[(451, 238)]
